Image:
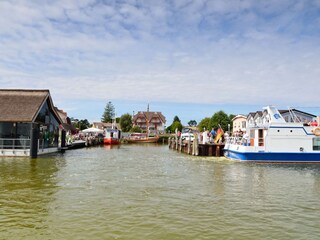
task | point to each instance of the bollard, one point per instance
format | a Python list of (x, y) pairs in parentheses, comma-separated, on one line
[(176, 143)]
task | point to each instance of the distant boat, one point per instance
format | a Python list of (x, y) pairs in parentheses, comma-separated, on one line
[(112, 136), (276, 140), (142, 138)]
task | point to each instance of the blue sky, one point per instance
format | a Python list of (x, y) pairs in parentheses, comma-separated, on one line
[(188, 58)]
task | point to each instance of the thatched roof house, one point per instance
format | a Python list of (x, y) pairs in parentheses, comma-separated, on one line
[(29, 123), (155, 121), (24, 105)]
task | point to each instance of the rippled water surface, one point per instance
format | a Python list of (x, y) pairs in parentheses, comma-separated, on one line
[(151, 192)]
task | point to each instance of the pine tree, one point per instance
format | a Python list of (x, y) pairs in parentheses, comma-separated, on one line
[(109, 113)]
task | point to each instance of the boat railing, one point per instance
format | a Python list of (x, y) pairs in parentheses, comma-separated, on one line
[(238, 141), (14, 143), (43, 144), (259, 125)]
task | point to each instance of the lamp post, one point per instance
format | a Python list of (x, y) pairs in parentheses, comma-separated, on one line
[(229, 128)]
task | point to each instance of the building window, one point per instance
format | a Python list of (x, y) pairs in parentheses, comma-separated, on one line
[(23, 130), (7, 130)]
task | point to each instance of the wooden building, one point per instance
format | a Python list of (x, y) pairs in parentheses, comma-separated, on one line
[(29, 123), (155, 121)]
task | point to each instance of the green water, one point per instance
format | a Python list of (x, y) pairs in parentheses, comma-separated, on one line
[(152, 192)]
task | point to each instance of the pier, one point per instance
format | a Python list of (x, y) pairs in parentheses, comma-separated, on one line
[(195, 148)]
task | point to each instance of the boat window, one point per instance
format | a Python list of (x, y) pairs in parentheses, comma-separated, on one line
[(316, 144), (252, 133)]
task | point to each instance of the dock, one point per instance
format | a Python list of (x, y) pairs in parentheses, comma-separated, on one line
[(195, 148)]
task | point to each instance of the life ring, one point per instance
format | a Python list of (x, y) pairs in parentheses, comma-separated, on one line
[(316, 131)]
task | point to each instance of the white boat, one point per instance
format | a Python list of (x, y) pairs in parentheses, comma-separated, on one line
[(112, 136), (276, 140)]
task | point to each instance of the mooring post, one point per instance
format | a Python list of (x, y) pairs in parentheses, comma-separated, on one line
[(35, 133), (176, 142), (195, 150)]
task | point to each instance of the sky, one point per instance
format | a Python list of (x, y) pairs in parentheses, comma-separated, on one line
[(185, 58)]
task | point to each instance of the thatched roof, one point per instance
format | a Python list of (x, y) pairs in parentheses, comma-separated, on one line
[(149, 116), (18, 105)]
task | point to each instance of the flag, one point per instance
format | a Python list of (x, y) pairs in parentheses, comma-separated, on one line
[(219, 134)]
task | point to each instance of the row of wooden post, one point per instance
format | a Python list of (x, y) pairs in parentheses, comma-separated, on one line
[(194, 148)]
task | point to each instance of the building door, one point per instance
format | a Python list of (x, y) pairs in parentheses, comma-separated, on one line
[(260, 137)]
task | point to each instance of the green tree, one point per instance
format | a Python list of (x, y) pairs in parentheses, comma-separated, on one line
[(80, 124), (168, 129), (176, 119), (192, 123), (204, 124), (175, 125), (109, 113), (220, 119), (126, 122), (136, 129)]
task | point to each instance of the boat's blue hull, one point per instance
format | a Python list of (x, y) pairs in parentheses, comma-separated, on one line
[(272, 157)]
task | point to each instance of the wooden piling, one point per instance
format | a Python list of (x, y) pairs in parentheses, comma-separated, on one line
[(194, 148)]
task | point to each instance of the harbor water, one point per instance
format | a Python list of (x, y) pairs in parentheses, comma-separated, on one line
[(152, 192)]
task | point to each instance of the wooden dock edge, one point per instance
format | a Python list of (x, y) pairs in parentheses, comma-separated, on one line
[(195, 148)]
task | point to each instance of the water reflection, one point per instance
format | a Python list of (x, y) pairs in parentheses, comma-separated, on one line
[(109, 147)]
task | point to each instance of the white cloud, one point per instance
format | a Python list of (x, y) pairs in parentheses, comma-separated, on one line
[(171, 51)]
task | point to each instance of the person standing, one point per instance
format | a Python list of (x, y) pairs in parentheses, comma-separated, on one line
[(213, 134)]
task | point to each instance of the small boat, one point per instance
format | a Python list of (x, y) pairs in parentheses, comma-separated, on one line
[(77, 144), (112, 136), (142, 138), (275, 140)]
